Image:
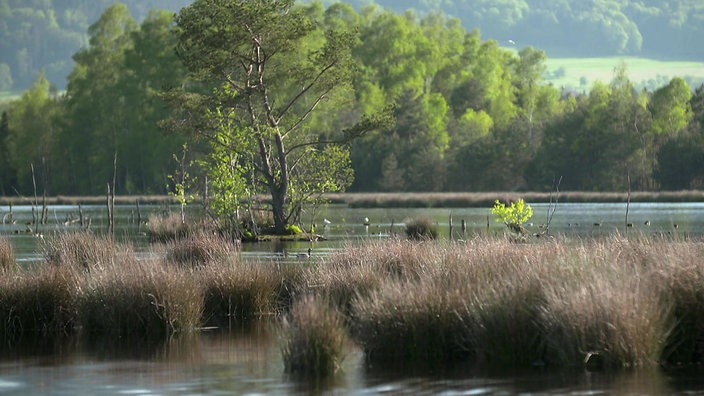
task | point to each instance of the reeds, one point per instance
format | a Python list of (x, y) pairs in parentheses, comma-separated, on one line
[(199, 249), (558, 303), (167, 228), (314, 336), (421, 228), (147, 300), (82, 250), (38, 305), (633, 302), (7, 256), (236, 292)]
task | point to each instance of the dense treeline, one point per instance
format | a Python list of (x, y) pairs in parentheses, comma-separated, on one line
[(470, 116), (42, 34), (577, 28)]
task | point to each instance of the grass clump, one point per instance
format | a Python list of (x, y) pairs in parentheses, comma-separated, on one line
[(499, 304), (7, 256), (238, 292), (82, 250), (313, 338), (408, 322), (421, 228), (41, 304), (147, 300), (199, 249), (167, 228)]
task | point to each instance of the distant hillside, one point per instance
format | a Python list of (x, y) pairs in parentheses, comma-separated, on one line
[(43, 34), (662, 29)]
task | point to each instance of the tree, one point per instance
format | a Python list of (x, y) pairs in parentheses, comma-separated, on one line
[(7, 173), (32, 133), (97, 110), (263, 67)]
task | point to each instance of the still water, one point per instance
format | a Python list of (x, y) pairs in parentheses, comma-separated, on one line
[(249, 361)]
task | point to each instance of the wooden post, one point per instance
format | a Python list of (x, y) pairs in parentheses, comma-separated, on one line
[(110, 218), (450, 222)]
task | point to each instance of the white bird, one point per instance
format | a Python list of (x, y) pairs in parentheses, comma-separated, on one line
[(326, 221), (366, 221), (512, 42)]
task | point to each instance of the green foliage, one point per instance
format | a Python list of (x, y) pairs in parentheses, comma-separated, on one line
[(292, 229), (454, 112), (182, 181), (514, 215), (261, 104)]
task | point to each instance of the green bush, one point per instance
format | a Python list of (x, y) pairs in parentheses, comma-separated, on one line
[(514, 216)]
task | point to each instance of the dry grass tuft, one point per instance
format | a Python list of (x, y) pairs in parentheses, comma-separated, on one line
[(8, 263), (40, 304), (83, 250), (238, 292), (199, 249), (167, 228), (314, 337), (143, 299)]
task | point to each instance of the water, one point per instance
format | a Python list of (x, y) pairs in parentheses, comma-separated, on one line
[(249, 362)]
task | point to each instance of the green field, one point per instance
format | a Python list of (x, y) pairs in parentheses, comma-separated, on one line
[(581, 73)]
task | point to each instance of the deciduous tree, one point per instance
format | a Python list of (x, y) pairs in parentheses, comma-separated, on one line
[(262, 73)]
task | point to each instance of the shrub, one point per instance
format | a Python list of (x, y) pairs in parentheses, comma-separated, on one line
[(292, 229), (421, 228), (514, 216), (313, 339)]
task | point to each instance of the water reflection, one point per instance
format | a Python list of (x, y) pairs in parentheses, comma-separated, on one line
[(248, 361)]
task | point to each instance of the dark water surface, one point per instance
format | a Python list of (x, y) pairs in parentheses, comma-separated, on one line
[(249, 362)]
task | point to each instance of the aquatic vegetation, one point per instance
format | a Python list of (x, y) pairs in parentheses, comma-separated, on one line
[(166, 228), (610, 303), (421, 228), (199, 249), (7, 256), (82, 250), (314, 338)]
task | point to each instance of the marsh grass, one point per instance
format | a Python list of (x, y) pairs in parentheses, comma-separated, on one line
[(632, 302), (421, 228), (237, 292), (487, 199), (39, 304), (166, 228), (199, 249), (147, 300), (8, 264), (313, 338), (82, 250)]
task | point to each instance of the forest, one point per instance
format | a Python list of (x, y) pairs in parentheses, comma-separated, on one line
[(469, 115), (43, 34)]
